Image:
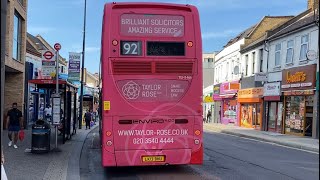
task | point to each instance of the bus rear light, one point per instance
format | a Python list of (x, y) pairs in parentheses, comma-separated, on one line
[(196, 141), (108, 133), (197, 132), (190, 44), (114, 42), (109, 143)]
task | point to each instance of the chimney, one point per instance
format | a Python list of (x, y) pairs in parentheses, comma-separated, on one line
[(313, 4)]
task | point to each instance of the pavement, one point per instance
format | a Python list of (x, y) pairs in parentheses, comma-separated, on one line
[(299, 142), (21, 164)]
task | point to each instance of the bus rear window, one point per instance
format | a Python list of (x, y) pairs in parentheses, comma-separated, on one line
[(165, 48)]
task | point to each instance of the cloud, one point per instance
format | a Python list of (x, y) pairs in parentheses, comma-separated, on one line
[(220, 34), (39, 30)]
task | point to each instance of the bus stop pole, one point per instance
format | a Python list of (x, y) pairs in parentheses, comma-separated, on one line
[(58, 95)]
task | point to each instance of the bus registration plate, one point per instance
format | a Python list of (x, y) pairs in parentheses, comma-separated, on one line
[(153, 158)]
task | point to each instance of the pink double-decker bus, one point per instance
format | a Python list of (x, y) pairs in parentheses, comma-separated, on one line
[(151, 64)]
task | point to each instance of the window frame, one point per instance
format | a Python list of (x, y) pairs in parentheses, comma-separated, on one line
[(290, 48), (301, 44), (17, 38), (247, 64), (275, 55), (261, 59), (253, 61)]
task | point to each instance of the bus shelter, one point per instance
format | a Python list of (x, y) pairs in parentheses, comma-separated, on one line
[(68, 94)]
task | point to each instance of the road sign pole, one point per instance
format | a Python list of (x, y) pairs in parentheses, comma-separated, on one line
[(57, 94)]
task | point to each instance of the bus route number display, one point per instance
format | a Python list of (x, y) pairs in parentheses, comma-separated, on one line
[(131, 48)]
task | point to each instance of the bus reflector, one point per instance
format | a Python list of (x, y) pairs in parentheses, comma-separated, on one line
[(190, 44), (109, 143), (108, 133), (197, 132), (114, 42), (196, 141)]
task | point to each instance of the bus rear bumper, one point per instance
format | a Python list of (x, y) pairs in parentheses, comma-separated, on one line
[(135, 157)]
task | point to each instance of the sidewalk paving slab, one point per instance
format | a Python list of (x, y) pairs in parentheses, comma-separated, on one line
[(304, 143), (21, 165)]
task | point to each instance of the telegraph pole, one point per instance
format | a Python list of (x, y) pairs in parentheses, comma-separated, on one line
[(82, 66)]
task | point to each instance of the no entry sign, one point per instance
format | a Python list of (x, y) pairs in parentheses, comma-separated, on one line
[(57, 46)]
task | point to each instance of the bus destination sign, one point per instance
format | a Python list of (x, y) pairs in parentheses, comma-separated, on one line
[(152, 25)]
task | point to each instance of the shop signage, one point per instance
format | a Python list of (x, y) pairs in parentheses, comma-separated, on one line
[(250, 93), (299, 78), (298, 93), (271, 89), (229, 87), (74, 66), (261, 77)]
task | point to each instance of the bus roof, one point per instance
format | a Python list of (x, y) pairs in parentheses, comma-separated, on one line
[(132, 5)]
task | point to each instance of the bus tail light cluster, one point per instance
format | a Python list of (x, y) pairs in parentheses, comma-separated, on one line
[(108, 133), (196, 141), (109, 143), (114, 42), (197, 132), (190, 44)]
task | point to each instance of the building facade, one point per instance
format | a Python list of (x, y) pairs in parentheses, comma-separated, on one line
[(15, 45), (292, 55)]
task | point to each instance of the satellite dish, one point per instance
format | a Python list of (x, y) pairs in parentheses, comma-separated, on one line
[(236, 70)]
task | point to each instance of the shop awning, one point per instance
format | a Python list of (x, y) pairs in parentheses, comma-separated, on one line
[(51, 82), (271, 98), (227, 95)]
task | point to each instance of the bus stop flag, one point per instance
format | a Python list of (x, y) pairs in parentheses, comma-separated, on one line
[(74, 66)]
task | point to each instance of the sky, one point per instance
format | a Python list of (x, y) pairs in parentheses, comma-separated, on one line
[(62, 21)]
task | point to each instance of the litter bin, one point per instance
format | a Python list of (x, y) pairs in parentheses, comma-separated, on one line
[(40, 140)]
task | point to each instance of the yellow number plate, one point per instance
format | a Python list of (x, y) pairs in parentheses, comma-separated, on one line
[(153, 158)]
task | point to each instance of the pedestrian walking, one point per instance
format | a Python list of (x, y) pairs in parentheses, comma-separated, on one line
[(209, 116), (88, 118), (14, 125)]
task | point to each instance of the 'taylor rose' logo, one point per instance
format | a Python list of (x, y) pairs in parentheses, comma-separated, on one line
[(131, 90)]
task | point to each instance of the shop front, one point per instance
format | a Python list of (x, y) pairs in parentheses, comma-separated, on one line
[(251, 104), (228, 111), (273, 106), (216, 103), (298, 88)]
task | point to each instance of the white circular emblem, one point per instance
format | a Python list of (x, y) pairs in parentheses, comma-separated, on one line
[(131, 90)]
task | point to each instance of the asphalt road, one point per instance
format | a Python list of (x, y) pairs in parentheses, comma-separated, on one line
[(225, 157)]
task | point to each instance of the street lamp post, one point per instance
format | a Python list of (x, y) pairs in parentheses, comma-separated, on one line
[(82, 66)]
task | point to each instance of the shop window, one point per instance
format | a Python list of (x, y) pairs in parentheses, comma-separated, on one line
[(230, 109), (289, 57), (304, 47), (277, 55), (294, 114)]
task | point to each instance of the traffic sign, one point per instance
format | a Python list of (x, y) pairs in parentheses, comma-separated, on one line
[(57, 46), (48, 55)]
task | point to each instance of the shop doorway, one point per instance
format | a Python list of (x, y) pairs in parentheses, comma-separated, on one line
[(251, 115), (275, 116)]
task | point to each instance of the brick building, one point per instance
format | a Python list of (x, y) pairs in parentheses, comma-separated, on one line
[(15, 45)]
